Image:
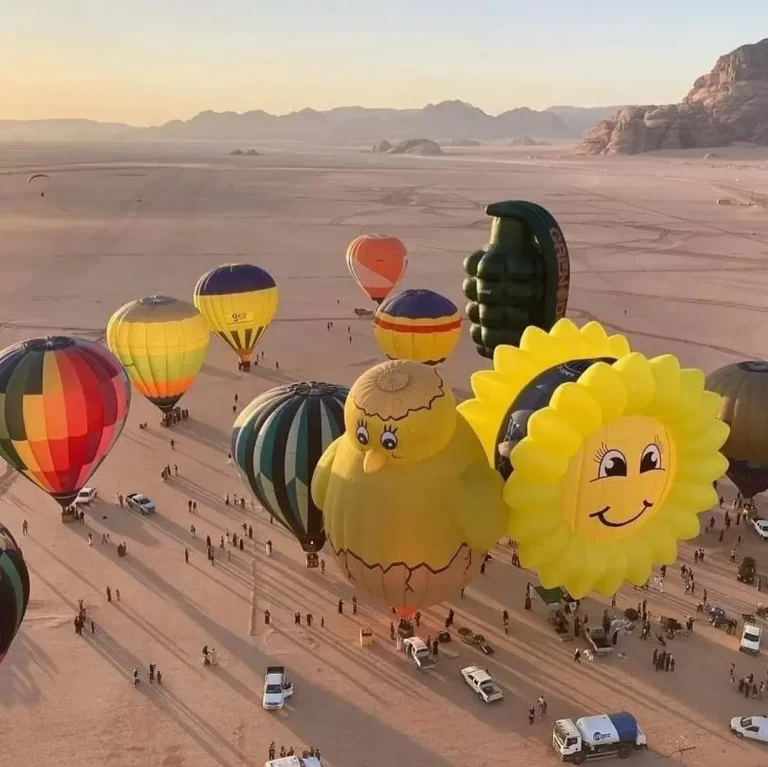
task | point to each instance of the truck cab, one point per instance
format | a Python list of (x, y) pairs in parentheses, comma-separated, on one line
[(597, 737), (600, 642), (277, 688), (416, 649)]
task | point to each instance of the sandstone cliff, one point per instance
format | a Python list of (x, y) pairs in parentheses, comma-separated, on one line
[(728, 104)]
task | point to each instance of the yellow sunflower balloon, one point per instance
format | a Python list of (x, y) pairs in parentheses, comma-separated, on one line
[(607, 456)]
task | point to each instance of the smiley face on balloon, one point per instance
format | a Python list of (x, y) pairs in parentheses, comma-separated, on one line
[(608, 457)]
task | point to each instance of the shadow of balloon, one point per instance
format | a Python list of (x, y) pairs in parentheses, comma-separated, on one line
[(272, 375), (216, 372), (204, 433), (120, 522), (18, 682)]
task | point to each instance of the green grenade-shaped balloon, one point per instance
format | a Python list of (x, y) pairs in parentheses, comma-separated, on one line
[(520, 278)]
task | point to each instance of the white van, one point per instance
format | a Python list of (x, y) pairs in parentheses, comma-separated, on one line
[(294, 761), (750, 638)]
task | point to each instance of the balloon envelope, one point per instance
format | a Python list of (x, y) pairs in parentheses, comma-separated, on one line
[(14, 589), (276, 443), (418, 325), (377, 262), (63, 404), (520, 279), (162, 343), (238, 301)]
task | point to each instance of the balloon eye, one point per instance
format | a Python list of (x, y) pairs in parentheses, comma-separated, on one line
[(612, 464), (388, 440), (650, 459), (362, 434)]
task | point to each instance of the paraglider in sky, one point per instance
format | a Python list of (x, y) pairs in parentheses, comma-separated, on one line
[(276, 443), (40, 182), (744, 389), (410, 501), (162, 343), (519, 279), (238, 301), (14, 589), (63, 404), (418, 325), (377, 262), (608, 457)]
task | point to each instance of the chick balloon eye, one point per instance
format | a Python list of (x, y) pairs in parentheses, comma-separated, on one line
[(650, 459), (388, 440), (362, 435), (612, 464)]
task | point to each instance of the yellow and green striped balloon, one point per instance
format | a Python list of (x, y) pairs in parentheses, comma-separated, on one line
[(162, 343)]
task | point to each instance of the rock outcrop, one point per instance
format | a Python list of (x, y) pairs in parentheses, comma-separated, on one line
[(527, 141), (417, 146), (727, 105)]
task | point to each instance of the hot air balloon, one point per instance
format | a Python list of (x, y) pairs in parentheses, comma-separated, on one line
[(519, 279), (608, 456), (277, 441), (418, 325), (238, 301), (40, 182), (410, 502), (744, 407), (377, 262), (14, 589), (63, 404), (162, 343)]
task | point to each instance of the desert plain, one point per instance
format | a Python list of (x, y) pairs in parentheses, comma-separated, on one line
[(653, 256)]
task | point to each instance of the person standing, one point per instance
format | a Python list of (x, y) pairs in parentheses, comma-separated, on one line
[(173, 444), (531, 715), (354, 605), (25, 527), (542, 706), (186, 556), (135, 677)]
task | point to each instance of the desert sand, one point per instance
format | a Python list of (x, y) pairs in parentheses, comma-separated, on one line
[(653, 256)]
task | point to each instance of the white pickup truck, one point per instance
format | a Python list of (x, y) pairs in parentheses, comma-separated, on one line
[(277, 688), (416, 649), (482, 683)]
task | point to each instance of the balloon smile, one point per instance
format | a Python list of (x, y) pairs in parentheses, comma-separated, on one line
[(601, 515)]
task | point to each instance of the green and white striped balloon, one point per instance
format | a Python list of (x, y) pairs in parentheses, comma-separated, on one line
[(276, 443)]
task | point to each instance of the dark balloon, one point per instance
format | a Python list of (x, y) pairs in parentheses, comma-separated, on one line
[(14, 589), (276, 443), (520, 278), (744, 389)]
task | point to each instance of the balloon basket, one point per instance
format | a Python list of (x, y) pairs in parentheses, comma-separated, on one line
[(405, 629), (311, 561), (67, 516), (366, 637), (244, 366)]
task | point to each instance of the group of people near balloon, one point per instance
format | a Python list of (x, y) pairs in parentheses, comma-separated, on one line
[(595, 459)]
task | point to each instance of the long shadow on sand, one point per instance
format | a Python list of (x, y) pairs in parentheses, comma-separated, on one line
[(18, 685), (204, 433), (338, 721), (217, 372), (121, 523)]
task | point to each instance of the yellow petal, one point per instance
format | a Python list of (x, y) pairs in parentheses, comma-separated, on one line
[(577, 405), (607, 387), (666, 397), (641, 385), (618, 346), (595, 338), (551, 430), (536, 464)]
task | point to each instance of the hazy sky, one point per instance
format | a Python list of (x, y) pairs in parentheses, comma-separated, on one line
[(148, 61)]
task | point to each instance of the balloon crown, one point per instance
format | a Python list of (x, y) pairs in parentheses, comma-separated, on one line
[(48, 343), (157, 300)]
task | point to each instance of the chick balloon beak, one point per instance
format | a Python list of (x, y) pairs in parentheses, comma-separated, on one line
[(373, 461)]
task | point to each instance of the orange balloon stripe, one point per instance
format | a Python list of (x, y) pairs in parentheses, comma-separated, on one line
[(404, 328)]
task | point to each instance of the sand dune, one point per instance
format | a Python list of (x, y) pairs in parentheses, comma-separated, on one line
[(653, 257)]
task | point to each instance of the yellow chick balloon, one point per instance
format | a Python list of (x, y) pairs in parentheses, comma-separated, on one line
[(409, 499)]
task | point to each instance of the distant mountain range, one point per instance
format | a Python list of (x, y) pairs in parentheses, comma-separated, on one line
[(448, 120)]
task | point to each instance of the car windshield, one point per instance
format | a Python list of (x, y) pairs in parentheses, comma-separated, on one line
[(560, 734), (750, 637), (141, 498), (746, 721), (274, 689)]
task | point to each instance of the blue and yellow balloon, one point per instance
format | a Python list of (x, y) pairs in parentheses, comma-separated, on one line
[(238, 301), (418, 325)]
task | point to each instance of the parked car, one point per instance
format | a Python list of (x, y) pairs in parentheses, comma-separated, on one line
[(482, 683), (747, 570), (761, 527), (750, 638), (139, 502), (86, 496), (753, 727)]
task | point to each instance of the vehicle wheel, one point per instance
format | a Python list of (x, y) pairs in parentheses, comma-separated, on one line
[(739, 734), (579, 758), (624, 751)]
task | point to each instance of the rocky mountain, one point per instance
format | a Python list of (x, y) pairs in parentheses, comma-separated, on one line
[(580, 119), (416, 146), (446, 121), (727, 105)]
